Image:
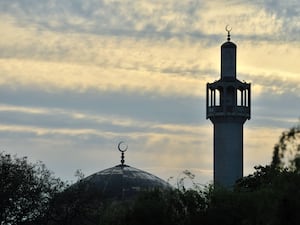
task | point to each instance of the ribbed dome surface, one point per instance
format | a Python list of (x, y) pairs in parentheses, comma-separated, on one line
[(122, 182)]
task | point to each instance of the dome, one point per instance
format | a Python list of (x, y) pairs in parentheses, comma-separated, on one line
[(122, 182), (228, 44)]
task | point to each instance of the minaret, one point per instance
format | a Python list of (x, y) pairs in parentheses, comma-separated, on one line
[(228, 107)]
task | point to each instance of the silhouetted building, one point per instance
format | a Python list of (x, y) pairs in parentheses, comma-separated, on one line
[(121, 181), (100, 196), (228, 107)]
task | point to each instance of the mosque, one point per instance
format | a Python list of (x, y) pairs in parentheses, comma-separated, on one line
[(227, 106), (122, 181)]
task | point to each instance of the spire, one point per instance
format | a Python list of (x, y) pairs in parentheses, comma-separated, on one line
[(122, 147), (228, 29), (228, 58)]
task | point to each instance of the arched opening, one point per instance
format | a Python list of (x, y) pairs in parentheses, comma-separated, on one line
[(239, 97), (217, 97), (246, 97), (242, 97), (214, 97)]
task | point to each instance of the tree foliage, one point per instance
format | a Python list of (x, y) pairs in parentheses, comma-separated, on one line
[(76, 206), (287, 151), (25, 190)]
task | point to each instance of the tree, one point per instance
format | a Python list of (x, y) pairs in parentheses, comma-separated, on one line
[(25, 190), (77, 204), (272, 191), (287, 151)]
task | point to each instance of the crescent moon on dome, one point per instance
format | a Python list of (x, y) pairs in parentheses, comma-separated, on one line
[(228, 28), (122, 149)]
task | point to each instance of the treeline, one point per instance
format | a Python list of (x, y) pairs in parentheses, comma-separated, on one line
[(30, 194)]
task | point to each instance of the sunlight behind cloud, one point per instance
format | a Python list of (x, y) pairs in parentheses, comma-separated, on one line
[(54, 77)]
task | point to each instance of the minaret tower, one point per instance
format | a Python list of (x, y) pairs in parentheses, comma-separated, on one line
[(228, 107)]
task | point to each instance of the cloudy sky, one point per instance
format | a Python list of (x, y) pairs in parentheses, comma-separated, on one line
[(77, 77)]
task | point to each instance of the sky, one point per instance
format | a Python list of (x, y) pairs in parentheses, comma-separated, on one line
[(77, 77)]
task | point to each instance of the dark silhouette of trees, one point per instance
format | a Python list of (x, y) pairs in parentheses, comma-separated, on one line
[(76, 206), (169, 207), (25, 190)]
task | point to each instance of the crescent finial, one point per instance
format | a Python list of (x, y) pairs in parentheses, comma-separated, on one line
[(122, 150), (228, 28)]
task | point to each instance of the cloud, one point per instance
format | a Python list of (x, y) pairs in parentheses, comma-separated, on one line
[(246, 19), (49, 121), (72, 132), (65, 61), (108, 62), (147, 19)]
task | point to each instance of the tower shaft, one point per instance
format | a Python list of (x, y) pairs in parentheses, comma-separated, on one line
[(228, 151)]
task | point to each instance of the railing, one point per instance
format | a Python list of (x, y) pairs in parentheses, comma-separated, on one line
[(213, 111)]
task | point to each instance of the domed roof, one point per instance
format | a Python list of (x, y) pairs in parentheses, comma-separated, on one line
[(119, 182), (228, 44), (122, 182)]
